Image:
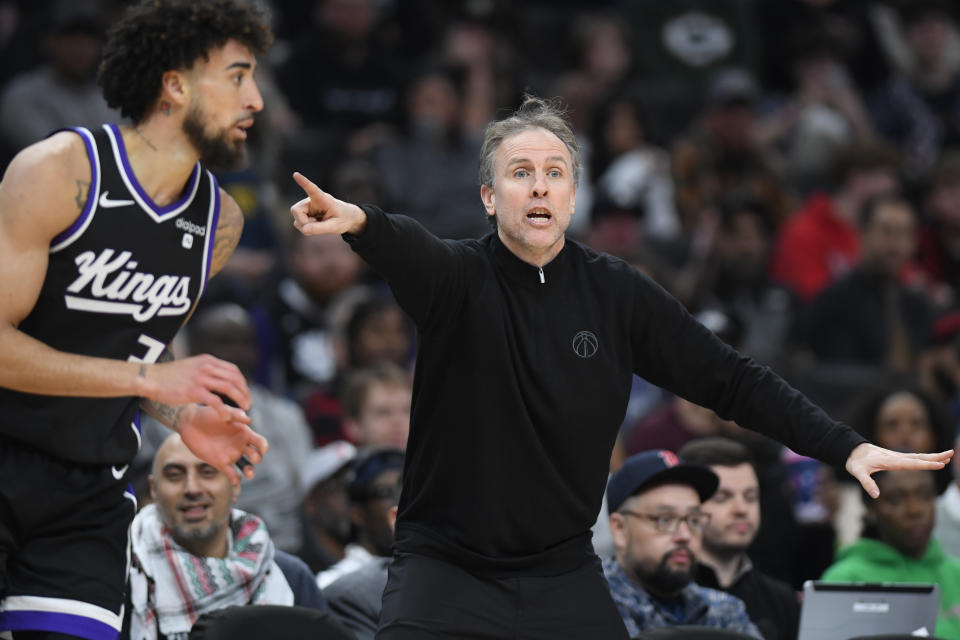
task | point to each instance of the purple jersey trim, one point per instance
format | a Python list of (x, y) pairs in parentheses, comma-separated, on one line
[(213, 232), (86, 136), (67, 623), (191, 185)]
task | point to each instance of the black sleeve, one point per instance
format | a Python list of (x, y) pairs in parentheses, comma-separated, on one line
[(425, 273), (674, 351), (302, 582)]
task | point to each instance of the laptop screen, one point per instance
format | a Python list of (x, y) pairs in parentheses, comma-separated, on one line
[(841, 610)]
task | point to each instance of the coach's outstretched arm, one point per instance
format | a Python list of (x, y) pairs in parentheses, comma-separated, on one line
[(30, 218)]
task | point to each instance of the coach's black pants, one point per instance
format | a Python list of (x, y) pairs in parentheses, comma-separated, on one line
[(428, 599)]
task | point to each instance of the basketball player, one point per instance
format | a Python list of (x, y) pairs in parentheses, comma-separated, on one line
[(107, 239), (527, 346)]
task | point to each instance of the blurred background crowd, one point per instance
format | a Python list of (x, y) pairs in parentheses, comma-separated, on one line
[(788, 169)]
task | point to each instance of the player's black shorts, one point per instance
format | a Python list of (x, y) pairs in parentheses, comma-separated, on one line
[(63, 544), (427, 599)]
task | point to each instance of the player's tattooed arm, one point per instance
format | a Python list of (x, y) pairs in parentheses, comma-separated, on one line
[(165, 413), (229, 228), (83, 192)]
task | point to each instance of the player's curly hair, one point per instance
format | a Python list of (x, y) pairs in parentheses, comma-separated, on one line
[(155, 36)]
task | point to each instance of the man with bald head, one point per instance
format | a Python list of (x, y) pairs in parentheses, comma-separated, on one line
[(193, 552), (227, 331)]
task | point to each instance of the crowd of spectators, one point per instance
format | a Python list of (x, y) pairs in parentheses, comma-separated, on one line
[(789, 170)]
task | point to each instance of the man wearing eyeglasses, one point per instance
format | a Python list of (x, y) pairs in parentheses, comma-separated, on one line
[(657, 527)]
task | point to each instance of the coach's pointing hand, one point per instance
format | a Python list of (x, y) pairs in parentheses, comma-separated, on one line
[(320, 212)]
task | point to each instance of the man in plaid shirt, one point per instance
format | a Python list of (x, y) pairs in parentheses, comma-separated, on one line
[(657, 528)]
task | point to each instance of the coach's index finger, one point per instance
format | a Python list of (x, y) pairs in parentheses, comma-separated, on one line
[(311, 209), (316, 193)]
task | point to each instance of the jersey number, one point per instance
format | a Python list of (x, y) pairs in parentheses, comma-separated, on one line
[(154, 349)]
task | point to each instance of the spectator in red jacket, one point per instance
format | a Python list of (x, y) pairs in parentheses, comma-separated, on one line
[(820, 241)]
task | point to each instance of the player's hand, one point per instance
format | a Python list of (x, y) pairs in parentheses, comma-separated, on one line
[(221, 442), (321, 213), (867, 459), (198, 379)]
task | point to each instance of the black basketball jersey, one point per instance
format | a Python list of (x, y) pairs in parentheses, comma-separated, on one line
[(120, 282)]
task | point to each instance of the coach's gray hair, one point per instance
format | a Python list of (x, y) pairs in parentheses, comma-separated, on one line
[(534, 113)]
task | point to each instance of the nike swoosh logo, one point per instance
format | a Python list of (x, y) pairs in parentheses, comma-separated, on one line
[(107, 203), (118, 473)]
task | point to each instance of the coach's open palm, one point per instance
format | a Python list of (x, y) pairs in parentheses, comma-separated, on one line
[(221, 442), (866, 459)]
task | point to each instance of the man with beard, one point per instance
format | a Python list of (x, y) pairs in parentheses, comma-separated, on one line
[(868, 316), (657, 526), (193, 552), (374, 490), (734, 511), (107, 239), (325, 508)]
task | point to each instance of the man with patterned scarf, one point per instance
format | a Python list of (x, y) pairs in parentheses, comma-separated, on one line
[(194, 553)]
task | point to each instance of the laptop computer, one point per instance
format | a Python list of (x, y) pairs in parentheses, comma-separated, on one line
[(842, 610)]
